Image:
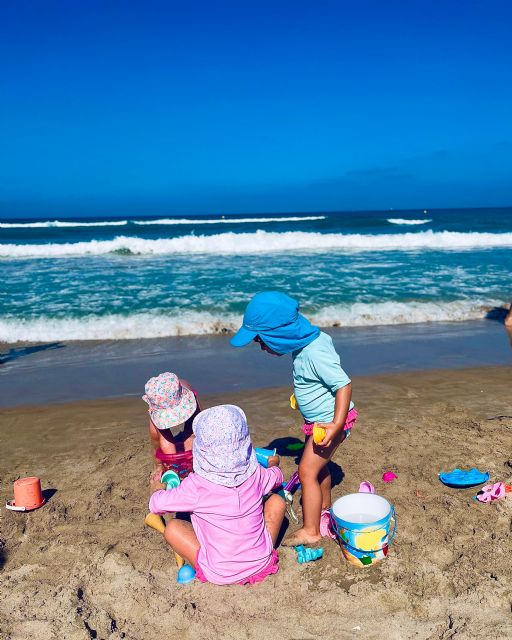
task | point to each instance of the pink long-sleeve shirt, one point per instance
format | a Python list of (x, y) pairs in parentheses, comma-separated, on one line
[(228, 522)]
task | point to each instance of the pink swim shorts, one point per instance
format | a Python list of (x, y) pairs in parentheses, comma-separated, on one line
[(307, 427)]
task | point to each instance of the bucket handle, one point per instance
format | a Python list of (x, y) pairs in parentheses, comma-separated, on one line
[(390, 540)]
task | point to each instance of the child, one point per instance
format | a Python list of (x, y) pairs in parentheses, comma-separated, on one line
[(232, 536), (322, 391), (172, 407)]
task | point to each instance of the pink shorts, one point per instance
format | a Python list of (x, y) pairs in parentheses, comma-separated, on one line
[(272, 567), (307, 427)]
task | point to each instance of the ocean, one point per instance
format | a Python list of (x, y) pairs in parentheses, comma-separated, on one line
[(152, 277)]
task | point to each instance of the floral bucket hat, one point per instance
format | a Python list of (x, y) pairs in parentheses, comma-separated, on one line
[(223, 452), (170, 402)]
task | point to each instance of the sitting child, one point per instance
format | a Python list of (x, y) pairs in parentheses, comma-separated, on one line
[(232, 536), (172, 407)]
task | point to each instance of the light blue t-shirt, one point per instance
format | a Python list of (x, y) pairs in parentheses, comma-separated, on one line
[(317, 375)]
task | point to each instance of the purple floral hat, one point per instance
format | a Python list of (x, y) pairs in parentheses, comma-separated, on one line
[(223, 451), (170, 402)]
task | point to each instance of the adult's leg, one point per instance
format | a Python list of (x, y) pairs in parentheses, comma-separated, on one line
[(180, 535)]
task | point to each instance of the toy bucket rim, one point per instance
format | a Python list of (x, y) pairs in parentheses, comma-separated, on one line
[(11, 506), (347, 524)]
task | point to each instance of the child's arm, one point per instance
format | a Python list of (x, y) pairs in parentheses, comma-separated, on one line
[(182, 498), (270, 479), (341, 406)]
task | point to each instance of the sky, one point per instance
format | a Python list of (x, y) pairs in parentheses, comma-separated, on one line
[(123, 107)]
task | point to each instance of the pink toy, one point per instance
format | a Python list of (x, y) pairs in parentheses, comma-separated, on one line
[(492, 492), (389, 476), (366, 487)]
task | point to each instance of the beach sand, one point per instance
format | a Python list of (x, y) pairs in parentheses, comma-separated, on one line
[(84, 566)]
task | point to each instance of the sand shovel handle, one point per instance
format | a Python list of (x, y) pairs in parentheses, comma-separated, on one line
[(158, 525)]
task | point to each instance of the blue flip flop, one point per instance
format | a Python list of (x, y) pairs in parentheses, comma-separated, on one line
[(461, 479)]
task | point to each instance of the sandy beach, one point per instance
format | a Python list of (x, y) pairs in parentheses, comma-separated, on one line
[(84, 566)]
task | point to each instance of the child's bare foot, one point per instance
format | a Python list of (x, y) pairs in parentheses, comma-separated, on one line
[(301, 537)]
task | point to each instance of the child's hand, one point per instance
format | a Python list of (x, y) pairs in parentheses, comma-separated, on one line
[(274, 461), (331, 431)]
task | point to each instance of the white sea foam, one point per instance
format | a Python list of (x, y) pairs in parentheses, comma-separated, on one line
[(408, 221), (261, 242), (361, 314), (116, 327), (174, 221), (161, 221), (152, 325), (60, 224)]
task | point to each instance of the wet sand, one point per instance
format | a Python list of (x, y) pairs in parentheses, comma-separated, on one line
[(89, 370), (84, 566)]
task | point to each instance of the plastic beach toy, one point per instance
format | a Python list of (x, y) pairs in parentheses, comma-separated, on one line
[(365, 525), (27, 495), (171, 479), (366, 487), (186, 574), (293, 401), (157, 523), (493, 492), (460, 479), (304, 554), (262, 455), (389, 476), (318, 433), (295, 446)]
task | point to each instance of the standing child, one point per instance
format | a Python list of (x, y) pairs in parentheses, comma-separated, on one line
[(232, 536), (172, 407), (322, 391)]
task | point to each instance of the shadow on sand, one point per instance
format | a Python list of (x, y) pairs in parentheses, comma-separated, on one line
[(20, 352)]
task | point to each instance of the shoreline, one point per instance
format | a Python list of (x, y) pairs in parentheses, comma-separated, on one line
[(71, 371), (85, 562)]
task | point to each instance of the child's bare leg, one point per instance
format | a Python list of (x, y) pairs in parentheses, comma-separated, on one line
[(324, 479), (273, 512), (180, 535), (160, 439), (166, 441), (314, 461)]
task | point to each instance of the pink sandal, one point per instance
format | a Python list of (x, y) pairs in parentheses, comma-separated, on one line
[(492, 492), (325, 524)]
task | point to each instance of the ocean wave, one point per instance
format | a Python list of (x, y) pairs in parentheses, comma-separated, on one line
[(263, 242), (162, 221), (408, 221), (153, 325), (60, 224)]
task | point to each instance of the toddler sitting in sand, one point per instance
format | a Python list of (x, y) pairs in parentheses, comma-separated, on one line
[(232, 536), (172, 407)]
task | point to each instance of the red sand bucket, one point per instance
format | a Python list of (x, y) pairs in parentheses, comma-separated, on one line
[(27, 495)]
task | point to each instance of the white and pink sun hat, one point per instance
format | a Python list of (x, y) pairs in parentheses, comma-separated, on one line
[(170, 402)]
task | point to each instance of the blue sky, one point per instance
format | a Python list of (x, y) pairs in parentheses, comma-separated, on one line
[(224, 107)]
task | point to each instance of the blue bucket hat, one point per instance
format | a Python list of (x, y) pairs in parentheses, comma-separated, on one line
[(275, 317)]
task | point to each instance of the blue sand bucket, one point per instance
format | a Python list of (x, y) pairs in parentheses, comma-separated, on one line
[(362, 522), (262, 455)]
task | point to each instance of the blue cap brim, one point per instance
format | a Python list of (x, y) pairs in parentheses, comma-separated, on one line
[(242, 337)]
